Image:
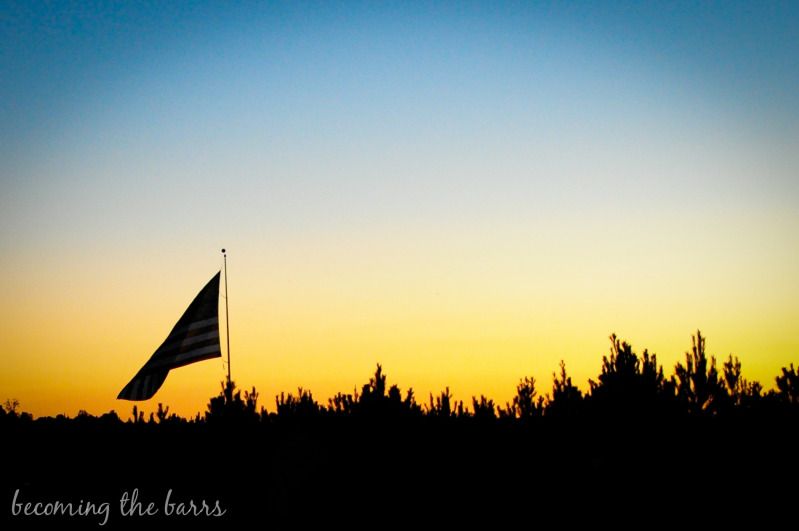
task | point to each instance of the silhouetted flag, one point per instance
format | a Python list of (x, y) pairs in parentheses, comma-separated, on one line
[(195, 337)]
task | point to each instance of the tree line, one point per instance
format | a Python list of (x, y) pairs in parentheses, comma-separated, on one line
[(629, 385)]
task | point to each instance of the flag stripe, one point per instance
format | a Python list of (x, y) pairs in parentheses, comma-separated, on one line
[(196, 358), (181, 344), (203, 330), (166, 355), (179, 359), (212, 322)]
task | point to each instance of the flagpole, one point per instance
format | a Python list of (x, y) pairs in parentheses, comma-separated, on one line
[(227, 325)]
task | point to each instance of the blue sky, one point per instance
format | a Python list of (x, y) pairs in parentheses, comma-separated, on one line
[(329, 83), (62, 58)]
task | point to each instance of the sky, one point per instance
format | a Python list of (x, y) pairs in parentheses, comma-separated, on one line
[(465, 192)]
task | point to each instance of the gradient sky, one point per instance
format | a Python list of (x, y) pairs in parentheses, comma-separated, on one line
[(466, 192)]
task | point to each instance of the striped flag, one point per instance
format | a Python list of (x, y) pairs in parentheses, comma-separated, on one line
[(195, 337)]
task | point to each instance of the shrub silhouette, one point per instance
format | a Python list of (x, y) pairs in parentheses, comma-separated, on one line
[(302, 406), (374, 401), (137, 417), (788, 386), (441, 406), (567, 399), (343, 405), (484, 409), (629, 385), (741, 392), (228, 407), (10, 406), (698, 384), (9, 412), (524, 405)]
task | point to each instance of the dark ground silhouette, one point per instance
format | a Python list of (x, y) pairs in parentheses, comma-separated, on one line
[(702, 446)]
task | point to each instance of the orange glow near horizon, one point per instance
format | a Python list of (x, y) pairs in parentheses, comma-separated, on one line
[(474, 312)]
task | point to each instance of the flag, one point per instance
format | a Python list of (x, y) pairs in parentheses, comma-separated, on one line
[(195, 337)]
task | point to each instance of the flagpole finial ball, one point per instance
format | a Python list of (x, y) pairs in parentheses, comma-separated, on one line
[(223, 251)]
